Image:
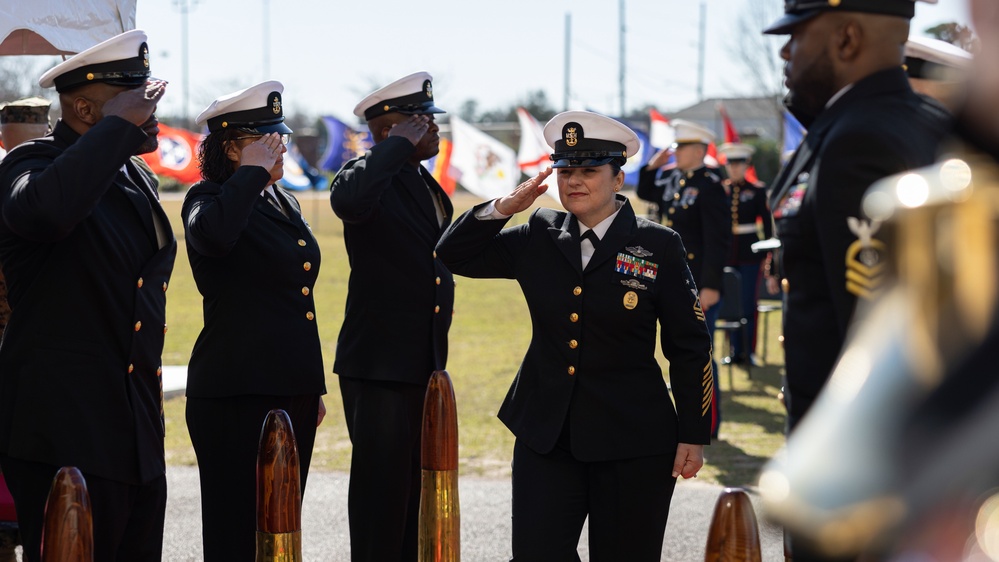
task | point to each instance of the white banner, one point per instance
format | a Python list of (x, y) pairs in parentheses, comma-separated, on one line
[(487, 167)]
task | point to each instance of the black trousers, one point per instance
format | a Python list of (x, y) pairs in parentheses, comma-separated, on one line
[(226, 435), (627, 501), (128, 518), (384, 420)]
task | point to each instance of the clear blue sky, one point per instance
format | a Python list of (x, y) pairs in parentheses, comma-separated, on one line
[(330, 53)]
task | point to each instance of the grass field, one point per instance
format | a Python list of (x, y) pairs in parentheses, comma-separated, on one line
[(489, 335)]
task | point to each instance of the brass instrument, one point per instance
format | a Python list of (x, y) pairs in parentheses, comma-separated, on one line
[(841, 481)]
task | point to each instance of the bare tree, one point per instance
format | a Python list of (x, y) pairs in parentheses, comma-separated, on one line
[(759, 54), (19, 76)]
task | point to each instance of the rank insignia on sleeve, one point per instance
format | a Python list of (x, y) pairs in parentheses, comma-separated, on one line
[(638, 251), (636, 267), (698, 312), (865, 259)]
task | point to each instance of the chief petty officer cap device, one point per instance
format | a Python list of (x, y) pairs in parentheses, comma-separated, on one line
[(797, 11), (582, 139), (122, 60), (410, 95), (256, 110)]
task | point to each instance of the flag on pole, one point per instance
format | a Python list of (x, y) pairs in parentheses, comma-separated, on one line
[(440, 167), (794, 133), (661, 133), (637, 160), (298, 174), (731, 135), (485, 166), (176, 156), (533, 154), (343, 143)]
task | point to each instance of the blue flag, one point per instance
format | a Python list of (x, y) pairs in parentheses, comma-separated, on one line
[(343, 144), (298, 174), (636, 161), (794, 133)]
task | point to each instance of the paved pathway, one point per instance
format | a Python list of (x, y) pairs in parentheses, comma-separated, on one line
[(485, 520)]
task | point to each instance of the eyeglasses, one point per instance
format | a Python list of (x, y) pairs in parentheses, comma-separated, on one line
[(285, 138)]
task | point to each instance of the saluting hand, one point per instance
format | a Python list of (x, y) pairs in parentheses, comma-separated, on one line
[(524, 195), (689, 459), (138, 104), (411, 129), (659, 159), (263, 152)]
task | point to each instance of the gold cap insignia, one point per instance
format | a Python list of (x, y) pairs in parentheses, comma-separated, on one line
[(276, 105), (570, 137), (429, 89)]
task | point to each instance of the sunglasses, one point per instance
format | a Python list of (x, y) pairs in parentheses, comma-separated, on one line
[(285, 138)]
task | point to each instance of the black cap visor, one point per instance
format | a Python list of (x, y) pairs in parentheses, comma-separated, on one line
[(585, 159), (787, 22), (263, 129)]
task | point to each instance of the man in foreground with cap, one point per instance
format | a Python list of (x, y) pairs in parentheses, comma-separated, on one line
[(749, 205), (399, 306), (848, 88), (692, 201), (88, 252)]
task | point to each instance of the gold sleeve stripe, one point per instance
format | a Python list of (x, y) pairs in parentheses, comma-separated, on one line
[(859, 290), (707, 388)]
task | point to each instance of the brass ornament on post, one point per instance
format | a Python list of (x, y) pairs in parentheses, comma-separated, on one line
[(279, 492), (68, 534), (440, 513), (734, 535)]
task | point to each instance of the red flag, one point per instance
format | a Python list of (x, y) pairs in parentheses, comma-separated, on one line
[(661, 134), (731, 135), (441, 169), (177, 155)]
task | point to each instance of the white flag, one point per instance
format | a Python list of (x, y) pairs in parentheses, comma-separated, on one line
[(661, 133), (534, 152), (488, 168)]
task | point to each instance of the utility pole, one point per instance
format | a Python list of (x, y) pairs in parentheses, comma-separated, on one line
[(185, 6), (267, 41), (568, 53), (700, 51), (621, 58)]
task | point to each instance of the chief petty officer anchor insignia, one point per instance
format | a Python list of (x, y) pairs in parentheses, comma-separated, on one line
[(865, 263)]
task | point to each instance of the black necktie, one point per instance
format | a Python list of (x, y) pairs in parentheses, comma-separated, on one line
[(591, 236), (274, 203)]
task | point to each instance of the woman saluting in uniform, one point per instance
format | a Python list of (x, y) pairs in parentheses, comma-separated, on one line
[(596, 431)]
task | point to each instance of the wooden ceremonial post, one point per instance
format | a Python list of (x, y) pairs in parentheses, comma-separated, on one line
[(440, 514), (279, 492), (734, 535), (68, 534)]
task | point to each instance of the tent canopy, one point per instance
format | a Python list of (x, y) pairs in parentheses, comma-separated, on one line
[(58, 27)]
